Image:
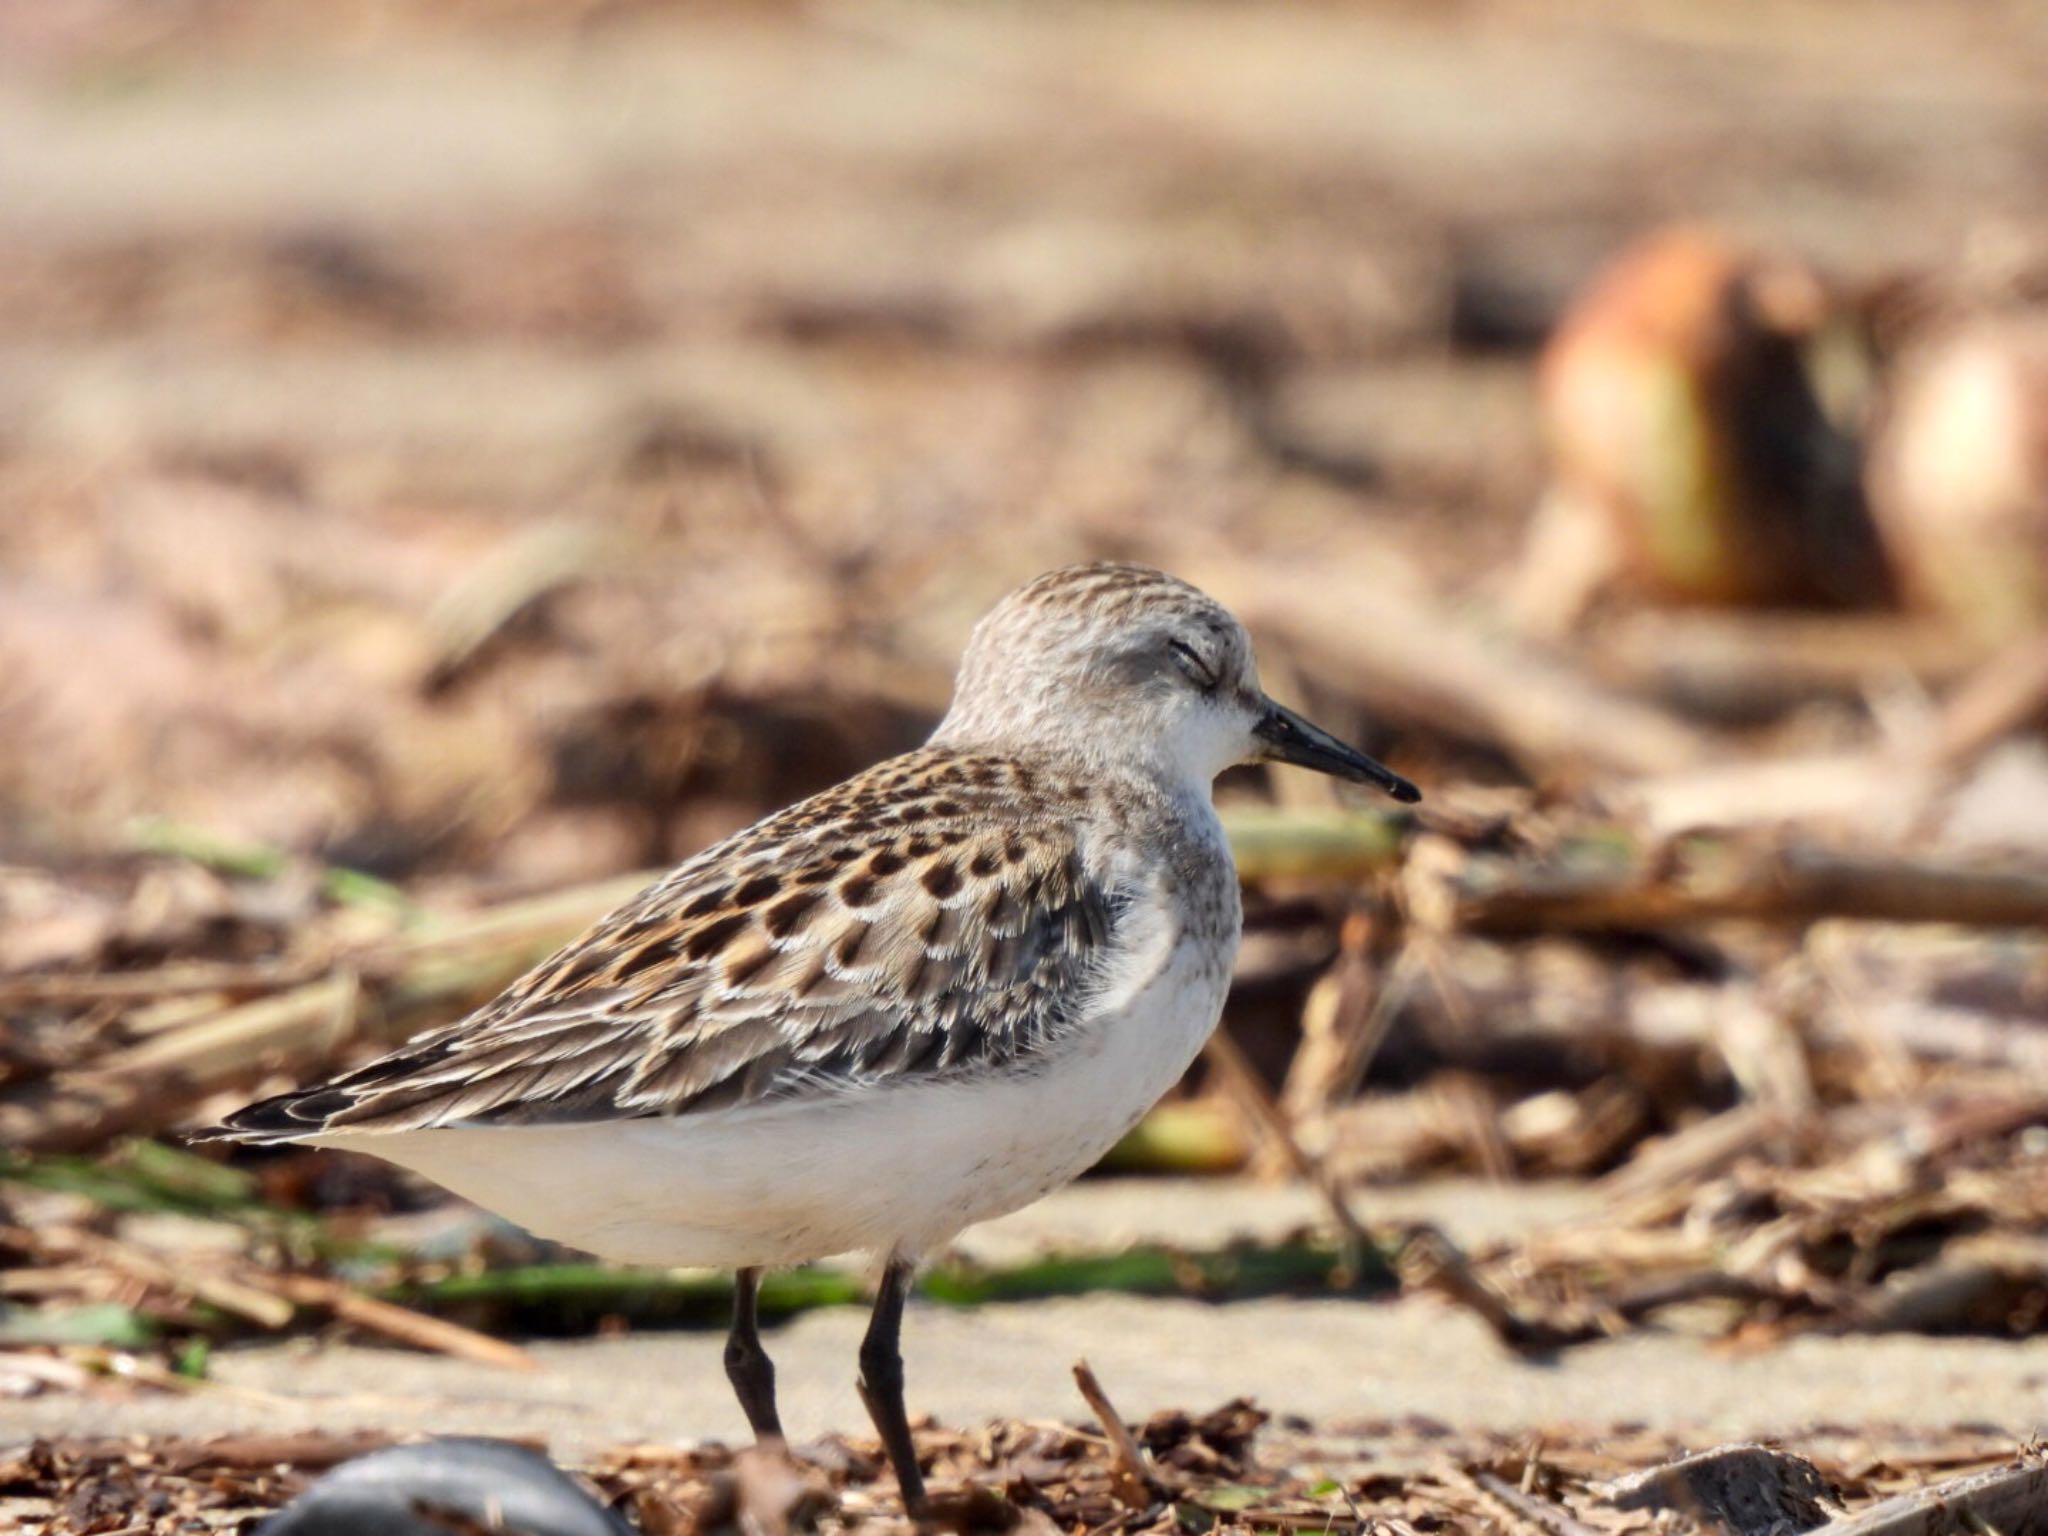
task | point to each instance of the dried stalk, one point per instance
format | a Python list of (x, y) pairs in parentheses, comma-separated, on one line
[(1241, 1081), (1742, 665), (2009, 1499), (1997, 699), (304, 1027), (1412, 659), (400, 1323), (1526, 1509), (1794, 885), (253, 1303), (1136, 1487)]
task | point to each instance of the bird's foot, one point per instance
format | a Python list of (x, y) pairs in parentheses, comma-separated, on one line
[(969, 1510), (774, 1492)]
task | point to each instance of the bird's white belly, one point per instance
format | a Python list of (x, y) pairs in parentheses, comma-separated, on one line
[(893, 1168)]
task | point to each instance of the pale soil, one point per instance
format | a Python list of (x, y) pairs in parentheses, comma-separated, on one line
[(1328, 1360)]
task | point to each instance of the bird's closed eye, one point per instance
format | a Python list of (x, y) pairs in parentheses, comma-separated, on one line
[(1194, 664)]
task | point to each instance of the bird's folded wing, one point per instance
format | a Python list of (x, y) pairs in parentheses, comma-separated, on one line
[(821, 950)]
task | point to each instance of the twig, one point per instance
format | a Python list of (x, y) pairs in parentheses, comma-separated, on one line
[(1998, 698), (1471, 1120), (1275, 843), (1861, 789), (1241, 1081), (400, 1323), (1428, 1260), (536, 920), (401, 979), (2001, 1500), (151, 1084), (1136, 1487), (516, 574), (1724, 881), (1343, 1021), (1691, 1155), (1633, 1303), (163, 981), (78, 1114), (253, 1303), (1741, 665), (1930, 1031), (313, 1451), (1416, 660), (1541, 1513), (215, 1048)]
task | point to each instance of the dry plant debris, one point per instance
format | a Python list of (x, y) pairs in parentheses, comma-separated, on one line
[(1219, 1472), (1808, 1101)]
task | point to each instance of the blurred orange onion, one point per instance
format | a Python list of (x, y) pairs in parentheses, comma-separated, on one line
[(1680, 409)]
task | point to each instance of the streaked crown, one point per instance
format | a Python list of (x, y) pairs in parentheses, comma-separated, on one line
[(1105, 659)]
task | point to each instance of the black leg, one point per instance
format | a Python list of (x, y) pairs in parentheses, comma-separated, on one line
[(881, 1382), (747, 1365)]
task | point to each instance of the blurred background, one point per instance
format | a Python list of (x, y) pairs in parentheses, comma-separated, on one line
[(457, 457)]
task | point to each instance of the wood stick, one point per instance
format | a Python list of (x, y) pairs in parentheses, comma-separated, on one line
[(1789, 885), (152, 1083), (77, 1114), (1551, 1518), (1691, 1155), (162, 981), (307, 1025), (1344, 1020), (315, 1018), (310, 1451), (1889, 788), (1241, 1081), (1428, 1260), (541, 920), (1749, 664), (1874, 793), (1997, 699), (1386, 640), (400, 1323), (1275, 843), (2011, 1500), (1136, 1486), (1944, 1032), (255, 1304)]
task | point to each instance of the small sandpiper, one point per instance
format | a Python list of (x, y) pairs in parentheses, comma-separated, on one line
[(920, 999)]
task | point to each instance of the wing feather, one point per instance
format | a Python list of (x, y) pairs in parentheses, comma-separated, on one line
[(930, 917)]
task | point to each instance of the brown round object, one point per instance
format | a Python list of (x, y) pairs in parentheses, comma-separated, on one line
[(1677, 401), (1959, 473)]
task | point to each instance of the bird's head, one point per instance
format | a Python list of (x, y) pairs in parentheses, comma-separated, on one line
[(1122, 660)]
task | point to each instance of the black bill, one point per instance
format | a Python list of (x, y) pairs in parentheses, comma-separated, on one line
[(1291, 739)]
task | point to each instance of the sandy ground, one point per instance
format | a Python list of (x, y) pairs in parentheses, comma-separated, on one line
[(1328, 1360)]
